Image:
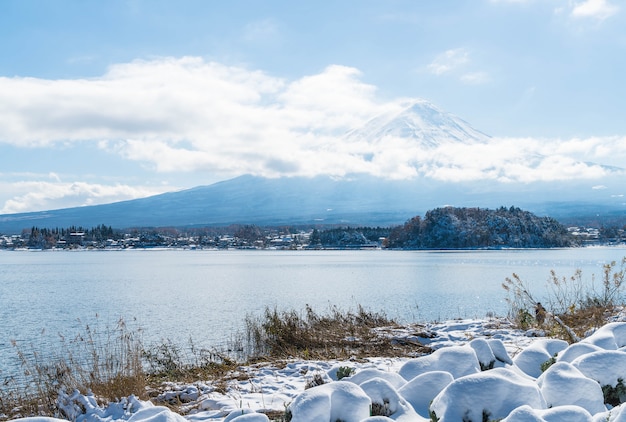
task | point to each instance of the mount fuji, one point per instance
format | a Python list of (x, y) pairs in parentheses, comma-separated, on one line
[(421, 122), (365, 199)]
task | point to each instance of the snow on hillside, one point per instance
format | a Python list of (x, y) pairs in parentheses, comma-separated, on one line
[(480, 370)]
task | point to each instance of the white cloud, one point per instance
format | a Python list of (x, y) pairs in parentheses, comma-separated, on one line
[(209, 106), (449, 60), (608, 150), (170, 99), (186, 115), (577, 9), (45, 194), (507, 160), (596, 9), (191, 116)]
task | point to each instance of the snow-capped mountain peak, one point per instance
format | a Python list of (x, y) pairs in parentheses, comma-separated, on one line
[(421, 121)]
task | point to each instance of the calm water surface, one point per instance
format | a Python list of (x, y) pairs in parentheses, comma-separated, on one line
[(205, 295)]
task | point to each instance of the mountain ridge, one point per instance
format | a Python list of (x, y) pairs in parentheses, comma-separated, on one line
[(363, 200)]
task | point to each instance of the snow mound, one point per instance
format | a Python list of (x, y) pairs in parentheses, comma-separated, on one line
[(558, 414), (608, 367), (386, 401), (421, 390), (562, 384), (457, 360), (486, 395), (156, 414), (370, 373), (531, 358), (246, 415), (576, 350), (617, 414), (499, 351), (485, 355), (610, 336), (339, 400)]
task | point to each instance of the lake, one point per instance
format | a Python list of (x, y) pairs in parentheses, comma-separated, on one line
[(205, 295)]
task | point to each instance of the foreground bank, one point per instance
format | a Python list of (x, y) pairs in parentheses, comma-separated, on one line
[(481, 370)]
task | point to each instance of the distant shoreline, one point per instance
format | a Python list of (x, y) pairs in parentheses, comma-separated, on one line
[(178, 248)]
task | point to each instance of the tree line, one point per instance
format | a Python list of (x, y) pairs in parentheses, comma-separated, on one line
[(348, 237), (440, 228), (45, 238)]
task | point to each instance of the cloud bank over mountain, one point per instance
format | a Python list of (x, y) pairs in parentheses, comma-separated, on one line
[(186, 115), (119, 99)]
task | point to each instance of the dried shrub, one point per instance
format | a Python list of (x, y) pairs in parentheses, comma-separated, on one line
[(573, 305)]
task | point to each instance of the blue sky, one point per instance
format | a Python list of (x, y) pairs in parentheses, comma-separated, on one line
[(109, 100)]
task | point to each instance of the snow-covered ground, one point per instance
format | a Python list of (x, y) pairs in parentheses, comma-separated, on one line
[(480, 370)]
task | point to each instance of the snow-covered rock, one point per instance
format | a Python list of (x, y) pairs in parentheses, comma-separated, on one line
[(340, 400), (370, 373), (156, 414), (499, 351), (617, 414), (484, 354), (492, 394), (556, 414), (562, 384), (611, 336), (457, 360), (422, 389), (388, 402), (246, 415), (608, 367), (531, 358), (576, 350)]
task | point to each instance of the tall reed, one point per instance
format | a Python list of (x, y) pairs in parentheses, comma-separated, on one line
[(107, 362)]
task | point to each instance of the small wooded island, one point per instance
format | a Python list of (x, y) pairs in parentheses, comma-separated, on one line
[(461, 228)]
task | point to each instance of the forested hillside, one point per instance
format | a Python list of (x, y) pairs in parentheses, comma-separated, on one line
[(452, 228)]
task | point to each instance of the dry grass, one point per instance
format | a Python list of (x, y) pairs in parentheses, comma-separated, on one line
[(107, 363), (334, 335), (113, 363), (584, 319)]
